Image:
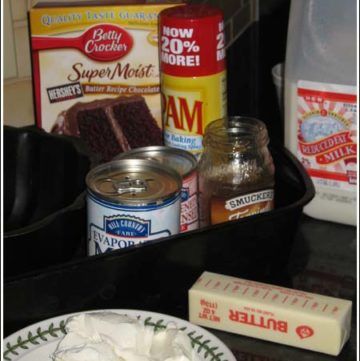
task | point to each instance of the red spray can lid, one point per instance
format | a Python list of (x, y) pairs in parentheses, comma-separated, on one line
[(192, 40)]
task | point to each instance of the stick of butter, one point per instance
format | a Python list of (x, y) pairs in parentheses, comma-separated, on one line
[(272, 313)]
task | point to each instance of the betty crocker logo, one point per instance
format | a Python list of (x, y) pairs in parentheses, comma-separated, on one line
[(105, 42), (304, 331)]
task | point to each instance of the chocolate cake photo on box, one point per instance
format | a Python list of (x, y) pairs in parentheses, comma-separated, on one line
[(110, 126)]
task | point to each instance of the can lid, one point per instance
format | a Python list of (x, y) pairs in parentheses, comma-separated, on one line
[(180, 160), (134, 181)]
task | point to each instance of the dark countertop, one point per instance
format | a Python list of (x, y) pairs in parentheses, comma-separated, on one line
[(323, 261)]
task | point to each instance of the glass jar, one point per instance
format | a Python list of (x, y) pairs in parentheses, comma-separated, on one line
[(236, 171)]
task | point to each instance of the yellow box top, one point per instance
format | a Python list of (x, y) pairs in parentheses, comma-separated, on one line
[(61, 18)]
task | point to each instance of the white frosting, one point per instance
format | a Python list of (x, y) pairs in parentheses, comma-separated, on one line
[(108, 336)]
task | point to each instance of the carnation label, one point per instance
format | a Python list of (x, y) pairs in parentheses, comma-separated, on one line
[(327, 133), (244, 205), (189, 217)]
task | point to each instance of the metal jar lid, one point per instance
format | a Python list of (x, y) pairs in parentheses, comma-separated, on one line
[(134, 182), (180, 160)]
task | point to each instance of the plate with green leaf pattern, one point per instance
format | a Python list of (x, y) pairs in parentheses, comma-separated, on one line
[(38, 341)]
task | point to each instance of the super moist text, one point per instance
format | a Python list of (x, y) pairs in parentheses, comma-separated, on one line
[(125, 71)]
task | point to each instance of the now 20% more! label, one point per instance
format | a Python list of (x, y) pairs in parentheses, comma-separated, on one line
[(193, 75)]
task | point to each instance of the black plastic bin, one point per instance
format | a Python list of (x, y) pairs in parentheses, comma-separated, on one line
[(157, 275), (44, 181)]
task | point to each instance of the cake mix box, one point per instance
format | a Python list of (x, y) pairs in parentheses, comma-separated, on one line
[(96, 72)]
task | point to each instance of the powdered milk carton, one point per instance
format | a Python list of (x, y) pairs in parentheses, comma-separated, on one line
[(96, 71)]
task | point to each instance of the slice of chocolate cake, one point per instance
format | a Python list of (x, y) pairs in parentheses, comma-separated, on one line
[(112, 126)]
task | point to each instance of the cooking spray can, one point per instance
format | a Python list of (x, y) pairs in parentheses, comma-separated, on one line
[(193, 73)]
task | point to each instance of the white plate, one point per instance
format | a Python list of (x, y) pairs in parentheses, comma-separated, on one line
[(38, 341)]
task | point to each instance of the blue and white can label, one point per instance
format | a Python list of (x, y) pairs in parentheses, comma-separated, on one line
[(130, 202), (113, 226)]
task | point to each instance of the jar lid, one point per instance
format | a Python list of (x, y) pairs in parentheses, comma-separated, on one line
[(240, 129)]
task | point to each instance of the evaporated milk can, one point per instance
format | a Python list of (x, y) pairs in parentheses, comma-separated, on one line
[(186, 165), (193, 73), (130, 202)]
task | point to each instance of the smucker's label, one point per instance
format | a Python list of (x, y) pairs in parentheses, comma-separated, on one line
[(223, 210)]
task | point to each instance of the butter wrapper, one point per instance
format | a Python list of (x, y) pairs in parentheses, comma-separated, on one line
[(272, 313)]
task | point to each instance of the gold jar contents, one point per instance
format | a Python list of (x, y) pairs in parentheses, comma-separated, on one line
[(236, 171)]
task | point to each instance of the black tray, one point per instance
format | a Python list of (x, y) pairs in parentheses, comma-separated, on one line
[(157, 275), (44, 218)]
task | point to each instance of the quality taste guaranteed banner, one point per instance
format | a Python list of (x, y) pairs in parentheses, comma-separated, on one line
[(327, 133), (87, 53), (55, 20)]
